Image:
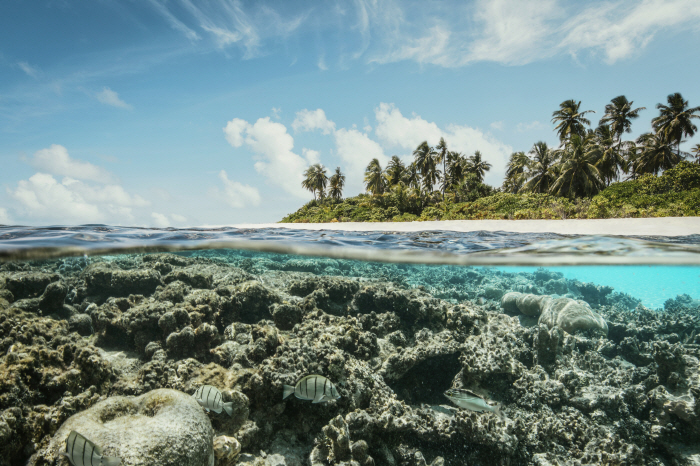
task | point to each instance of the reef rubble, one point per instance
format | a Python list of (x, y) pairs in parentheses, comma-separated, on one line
[(585, 375)]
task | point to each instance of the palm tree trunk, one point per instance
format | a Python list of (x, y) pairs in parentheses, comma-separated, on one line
[(444, 181)]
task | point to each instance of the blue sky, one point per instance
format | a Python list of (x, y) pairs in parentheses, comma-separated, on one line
[(188, 113)]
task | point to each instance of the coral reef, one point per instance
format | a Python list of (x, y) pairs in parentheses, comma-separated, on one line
[(585, 375)]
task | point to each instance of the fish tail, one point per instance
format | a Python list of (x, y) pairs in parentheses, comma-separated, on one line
[(288, 390), (111, 461), (228, 407), (498, 411)]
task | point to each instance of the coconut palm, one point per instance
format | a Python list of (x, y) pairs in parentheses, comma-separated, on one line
[(337, 183), (374, 178), (478, 166), (441, 156), (619, 115), (395, 170), (455, 169), (516, 172), (571, 119), (425, 160), (655, 154), (315, 180), (412, 175), (610, 159), (578, 174), (696, 152), (541, 168), (674, 120)]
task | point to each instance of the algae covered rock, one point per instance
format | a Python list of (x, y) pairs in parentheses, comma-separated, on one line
[(160, 428), (570, 315)]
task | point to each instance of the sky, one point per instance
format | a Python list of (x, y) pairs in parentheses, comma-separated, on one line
[(181, 113)]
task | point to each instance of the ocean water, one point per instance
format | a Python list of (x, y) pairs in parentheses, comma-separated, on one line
[(589, 346)]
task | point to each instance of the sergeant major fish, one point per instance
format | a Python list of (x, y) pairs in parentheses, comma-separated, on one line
[(210, 399), (82, 452), (313, 387), (470, 400)]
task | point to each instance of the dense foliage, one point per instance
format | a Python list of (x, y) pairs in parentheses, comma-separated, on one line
[(577, 179), (674, 193)]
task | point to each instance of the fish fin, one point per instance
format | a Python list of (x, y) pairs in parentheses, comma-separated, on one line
[(320, 398), (217, 411), (64, 453), (98, 449), (228, 407), (288, 390), (111, 461)]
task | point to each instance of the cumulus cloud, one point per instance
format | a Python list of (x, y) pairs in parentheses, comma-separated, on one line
[(237, 195), (56, 161), (396, 130), (108, 97), (160, 220), (309, 120), (272, 146), (311, 156), (4, 217), (356, 150), (85, 194)]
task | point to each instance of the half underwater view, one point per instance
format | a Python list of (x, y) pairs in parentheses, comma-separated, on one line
[(148, 347)]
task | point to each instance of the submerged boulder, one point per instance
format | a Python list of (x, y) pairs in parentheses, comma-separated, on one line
[(160, 428), (570, 315)]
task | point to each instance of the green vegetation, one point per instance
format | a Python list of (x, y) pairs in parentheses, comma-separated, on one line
[(578, 179)]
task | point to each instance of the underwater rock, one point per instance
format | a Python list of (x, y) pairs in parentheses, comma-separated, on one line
[(102, 279), (160, 428), (24, 285), (286, 315), (248, 302), (52, 298), (226, 450), (81, 323), (568, 314)]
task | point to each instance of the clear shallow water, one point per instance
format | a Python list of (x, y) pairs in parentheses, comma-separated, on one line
[(388, 317)]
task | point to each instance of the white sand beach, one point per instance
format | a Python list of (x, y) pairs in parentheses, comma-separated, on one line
[(663, 226)]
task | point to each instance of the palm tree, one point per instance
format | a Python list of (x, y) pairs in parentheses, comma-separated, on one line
[(696, 150), (619, 115), (425, 160), (674, 122), (478, 166), (455, 169), (442, 157), (578, 176), (542, 176), (655, 154), (395, 170), (516, 172), (315, 179), (412, 175), (337, 183), (610, 159), (374, 178), (570, 118)]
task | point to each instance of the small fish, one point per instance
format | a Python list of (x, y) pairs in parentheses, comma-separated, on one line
[(82, 452), (470, 400), (210, 398), (313, 387)]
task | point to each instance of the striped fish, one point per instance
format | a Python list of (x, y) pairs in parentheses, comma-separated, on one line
[(82, 452), (469, 400), (313, 387), (210, 399)]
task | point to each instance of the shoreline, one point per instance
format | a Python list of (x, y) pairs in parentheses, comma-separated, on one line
[(657, 226)]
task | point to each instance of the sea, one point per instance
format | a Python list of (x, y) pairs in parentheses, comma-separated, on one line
[(393, 319)]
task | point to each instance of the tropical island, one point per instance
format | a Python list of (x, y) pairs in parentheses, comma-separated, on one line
[(593, 173)]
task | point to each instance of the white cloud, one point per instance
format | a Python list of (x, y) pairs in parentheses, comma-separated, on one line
[(396, 130), (4, 217), (108, 97), (311, 156), (356, 150), (273, 146), (174, 22), (160, 220), (55, 160), (523, 127), (276, 111), (178, 218), (27, 68), (322, 63), (238, 195), (309, 120), (497, 125)]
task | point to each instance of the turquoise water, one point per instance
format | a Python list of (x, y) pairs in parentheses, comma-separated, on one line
[(653, 284)]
